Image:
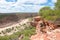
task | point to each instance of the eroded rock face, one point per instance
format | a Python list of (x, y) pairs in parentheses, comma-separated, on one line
[(8, 20), (38, 18), (42, 23), (52, 36), (45, 30)]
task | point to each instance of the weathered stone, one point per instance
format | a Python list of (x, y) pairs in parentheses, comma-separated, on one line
[(46, 31), (38, 18), (34, 23)]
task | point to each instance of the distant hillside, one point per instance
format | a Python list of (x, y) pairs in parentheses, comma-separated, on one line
[(14, 17), (21, 15)]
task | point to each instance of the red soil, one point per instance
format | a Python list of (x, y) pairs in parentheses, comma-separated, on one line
[(45, 33)]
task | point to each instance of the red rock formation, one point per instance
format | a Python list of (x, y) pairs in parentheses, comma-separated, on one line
[(43, 28), (38, 18), (38, 21)]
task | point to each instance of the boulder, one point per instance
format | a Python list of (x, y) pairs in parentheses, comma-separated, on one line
[(38, 18)]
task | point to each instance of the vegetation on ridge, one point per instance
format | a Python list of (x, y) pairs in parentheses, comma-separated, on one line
[(51, 14), (26, 34)]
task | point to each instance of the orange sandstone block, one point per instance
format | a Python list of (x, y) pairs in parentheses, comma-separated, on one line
[(38, 18)]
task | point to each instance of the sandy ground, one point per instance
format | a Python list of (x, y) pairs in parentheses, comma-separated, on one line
[(14, 25)]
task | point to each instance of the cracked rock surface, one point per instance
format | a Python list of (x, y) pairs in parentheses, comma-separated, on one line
[(45, 30)]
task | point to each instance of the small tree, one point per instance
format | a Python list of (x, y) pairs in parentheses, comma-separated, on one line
[(8, 30), (47, 13), (57, 8)]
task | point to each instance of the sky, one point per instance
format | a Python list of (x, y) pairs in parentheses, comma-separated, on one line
[(9, 6)]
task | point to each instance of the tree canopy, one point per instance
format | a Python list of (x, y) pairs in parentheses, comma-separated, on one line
[(50, 14), (57, 5)]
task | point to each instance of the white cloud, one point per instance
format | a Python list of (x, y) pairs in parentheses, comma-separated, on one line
[(19, 6), (54, 1), (37, 1)]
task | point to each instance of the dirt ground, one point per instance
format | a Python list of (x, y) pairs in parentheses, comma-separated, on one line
[(49, 31)]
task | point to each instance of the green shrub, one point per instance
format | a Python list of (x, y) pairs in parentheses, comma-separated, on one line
[(8, 30), (27, 33), (3, 32), (12, 28), (26, 38)]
